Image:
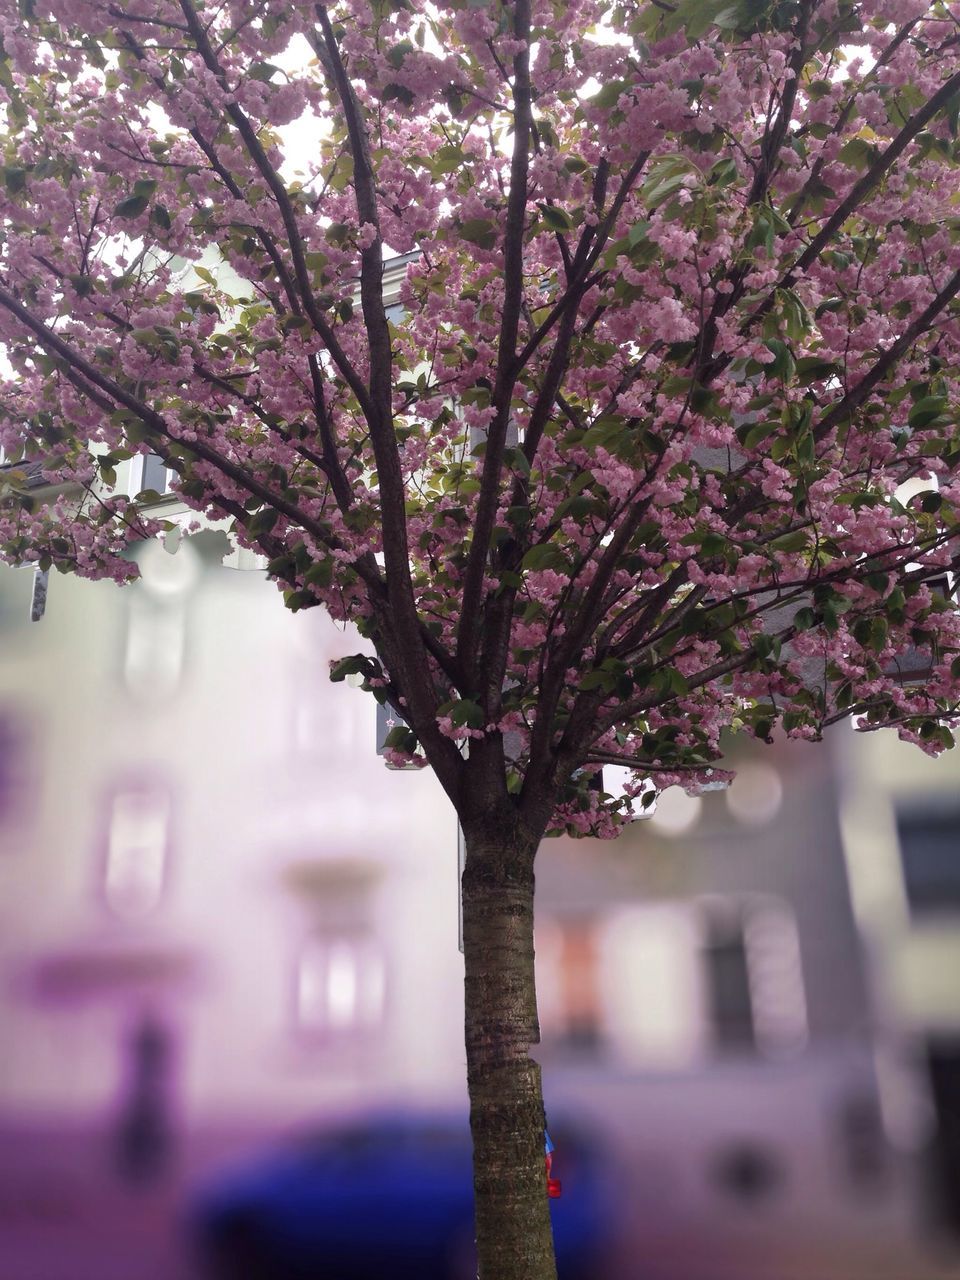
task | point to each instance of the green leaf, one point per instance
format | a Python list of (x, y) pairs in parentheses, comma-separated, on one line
[(14, 178), (814, 369), (132, 207), (263, 71), (655, 194), (605, 433), (723, 173), (597, 679), (401, 738), (83, 285), (397, 55), (796, 540), (147, 497), (319, 574), (783, 364), (714, 544), (398, 93), (638, 233), (609, 95), (262, 522), (355, 664), (926, 411), (577, 507), (857, 153), (516, 460), (554, 218), (448, 160), (479, 231), (751, 436), (676, 681), (463, 712), (546, 555)]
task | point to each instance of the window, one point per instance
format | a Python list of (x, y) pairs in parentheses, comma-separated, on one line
[(580, 1025), (340, 985), (137, 849), (930, 855), (155, 643), (147, 471), (728, 990), (660, 986), (13, 776), (38, 594), (944, 1066), (625, 985), (754, 979), (321, 718), (339, 973)]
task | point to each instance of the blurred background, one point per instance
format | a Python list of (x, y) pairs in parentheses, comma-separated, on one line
[(230, 989)]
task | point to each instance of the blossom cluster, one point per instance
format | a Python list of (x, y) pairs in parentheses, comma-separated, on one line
[(659, 436)]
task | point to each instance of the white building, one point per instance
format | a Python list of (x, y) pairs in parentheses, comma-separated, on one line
[(199, 843)]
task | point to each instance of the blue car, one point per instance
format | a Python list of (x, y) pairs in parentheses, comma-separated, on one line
[(388, 1199)]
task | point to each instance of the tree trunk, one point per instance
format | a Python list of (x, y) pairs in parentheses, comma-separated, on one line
[(514, 1238)]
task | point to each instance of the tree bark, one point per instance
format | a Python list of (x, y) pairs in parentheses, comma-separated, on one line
[(514, 1237)]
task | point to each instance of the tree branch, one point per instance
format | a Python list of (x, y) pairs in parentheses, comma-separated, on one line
[(284, 205), (410, 652), (853, 399), (468, 629), (52, 343), (709, 369)]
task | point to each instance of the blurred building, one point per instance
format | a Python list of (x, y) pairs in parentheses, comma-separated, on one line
[(223, 921), (221, 918), (900, 817), (740, 994)]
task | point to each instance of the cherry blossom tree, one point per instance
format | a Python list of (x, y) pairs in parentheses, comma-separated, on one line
[(664, 442)]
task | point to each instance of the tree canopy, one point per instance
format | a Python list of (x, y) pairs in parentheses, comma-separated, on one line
[(679, 322)]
